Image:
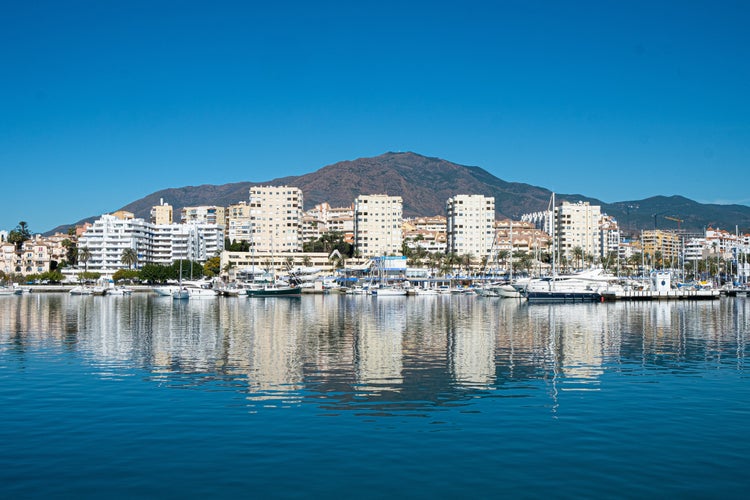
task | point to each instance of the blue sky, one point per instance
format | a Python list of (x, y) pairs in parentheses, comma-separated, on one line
[(102, 103)]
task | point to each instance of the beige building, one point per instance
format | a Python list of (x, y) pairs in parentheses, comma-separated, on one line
[(162, 213), (275, 216), (238, 225), (577, 225), (470, 224), (427, 233), (38, 255), (666, 242), (323, 218), (377, 225), (205, 214)]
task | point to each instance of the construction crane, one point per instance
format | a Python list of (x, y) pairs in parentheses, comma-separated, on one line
[(678, 221)]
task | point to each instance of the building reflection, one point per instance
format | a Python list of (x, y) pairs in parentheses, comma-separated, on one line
[(365, 353)]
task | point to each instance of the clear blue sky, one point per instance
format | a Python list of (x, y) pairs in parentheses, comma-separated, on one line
[(102, 103)]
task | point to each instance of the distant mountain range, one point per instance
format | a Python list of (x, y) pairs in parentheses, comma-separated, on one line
[(426, 183)]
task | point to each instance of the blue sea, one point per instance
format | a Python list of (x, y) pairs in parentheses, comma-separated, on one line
[(363, 397)]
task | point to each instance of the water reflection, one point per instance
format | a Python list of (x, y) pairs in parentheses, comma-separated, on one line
[(375, 354)]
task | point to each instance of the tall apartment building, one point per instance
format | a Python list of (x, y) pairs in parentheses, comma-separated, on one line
[(205, 214), (238, 224), (108, 237), (276, 215), (577, 225), (470, 224), (377, 225), (667, 243), (162, 213)]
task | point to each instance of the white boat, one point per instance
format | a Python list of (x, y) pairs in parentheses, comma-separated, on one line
[(119, 290), (426, 291), (9, 291), (88, 290), (165, 291), (508, 291), (196, 292), (388, 291)]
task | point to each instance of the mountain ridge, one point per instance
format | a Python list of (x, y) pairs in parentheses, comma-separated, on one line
[(425, 183)]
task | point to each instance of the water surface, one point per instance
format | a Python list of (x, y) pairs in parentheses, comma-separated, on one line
[(364, 397)]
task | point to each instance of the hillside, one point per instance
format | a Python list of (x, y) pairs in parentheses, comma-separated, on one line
[(426, 183)]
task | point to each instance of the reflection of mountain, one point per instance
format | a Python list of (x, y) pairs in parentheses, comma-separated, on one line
[(363, 353)]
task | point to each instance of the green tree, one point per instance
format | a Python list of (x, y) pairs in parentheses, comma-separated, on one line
[(212, 267), (129, 257), (126, 275), (19, 235), (84, 254)]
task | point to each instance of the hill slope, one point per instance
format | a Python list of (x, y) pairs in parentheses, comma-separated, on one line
[(426, 183)]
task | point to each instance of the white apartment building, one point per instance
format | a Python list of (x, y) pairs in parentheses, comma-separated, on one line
[(109, 236), (377, 225), (276, 215), (204, 214), (470, 224), (577, 225), (609, 237), (106, 239)]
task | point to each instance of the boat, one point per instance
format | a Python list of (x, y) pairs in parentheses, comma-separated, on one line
[(199, 292), (88, 290), (388, 291), (577, 287), (181, 292), (9, 291), (274, 290), (509, 290), (166, 290)]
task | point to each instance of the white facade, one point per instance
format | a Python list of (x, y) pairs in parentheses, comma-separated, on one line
[(377, 225), (470, 224), (108, 237), (276, 215), (577, 225)]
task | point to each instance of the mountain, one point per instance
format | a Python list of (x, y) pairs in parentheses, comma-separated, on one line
[(426, 183)]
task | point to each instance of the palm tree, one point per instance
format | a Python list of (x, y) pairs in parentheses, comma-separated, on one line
[(578, 255), (129, 257), (84, 254)]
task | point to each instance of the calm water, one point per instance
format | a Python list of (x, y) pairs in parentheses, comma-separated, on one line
[(362, 397)]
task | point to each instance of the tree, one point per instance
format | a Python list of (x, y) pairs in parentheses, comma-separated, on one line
[(212, 267), (71, 251), (84, 254), (578, 255), (129, 257), (20, 234)]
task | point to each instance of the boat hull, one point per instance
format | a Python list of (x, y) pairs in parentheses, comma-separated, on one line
[(563, 296), (275, 292)]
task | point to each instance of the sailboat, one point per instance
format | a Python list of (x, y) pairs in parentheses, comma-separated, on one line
[(181, 293), (508, 291), (273, 288)]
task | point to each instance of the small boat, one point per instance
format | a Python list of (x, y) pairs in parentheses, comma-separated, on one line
[(274, 290)]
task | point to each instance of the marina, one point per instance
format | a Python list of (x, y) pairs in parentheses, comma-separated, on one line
[(337, 394)]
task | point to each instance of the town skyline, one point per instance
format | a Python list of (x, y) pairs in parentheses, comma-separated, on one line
[(103, 104)]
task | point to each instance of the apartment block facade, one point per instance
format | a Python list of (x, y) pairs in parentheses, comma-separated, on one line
[(377, 225), (577, 226), (470, 224), (276, 218)]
